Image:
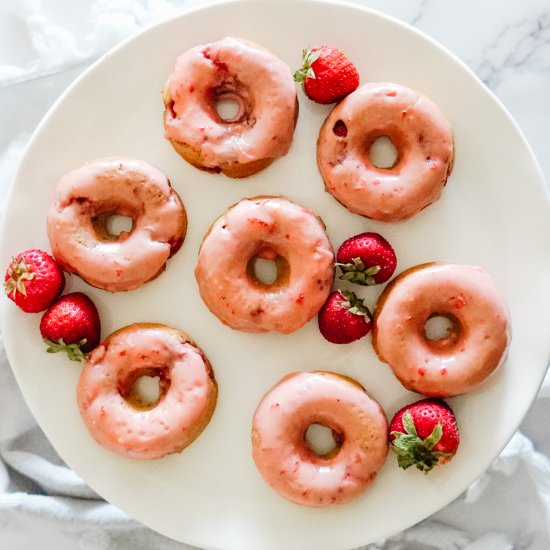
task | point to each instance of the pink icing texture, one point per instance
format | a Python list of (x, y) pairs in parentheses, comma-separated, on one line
[(269, 228), (474, 347), (115, 186), (287, 463), (234, 69), (419, 131), (175, 421)]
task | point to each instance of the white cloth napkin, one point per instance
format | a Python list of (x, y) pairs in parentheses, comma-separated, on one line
[(43, 502)]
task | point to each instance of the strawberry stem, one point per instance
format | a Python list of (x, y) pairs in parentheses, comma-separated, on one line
[(354, 304), (412, 450), (74, 350), (306, 71), (357, 272), (18, 274)]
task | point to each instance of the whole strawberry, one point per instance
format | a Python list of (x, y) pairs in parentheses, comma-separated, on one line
[(72, 325), (343, 318), (33, 280), (424, 434), (366, 259), (327, 75)]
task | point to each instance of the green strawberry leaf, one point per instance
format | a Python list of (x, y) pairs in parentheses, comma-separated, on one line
[(356, 272), (411, 449), (354, 304), (74, 350)]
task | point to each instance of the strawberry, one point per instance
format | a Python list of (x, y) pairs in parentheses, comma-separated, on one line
[(343, 318), (327, 75), (424, 434), (366, 259), (72, 325), (33, 280)]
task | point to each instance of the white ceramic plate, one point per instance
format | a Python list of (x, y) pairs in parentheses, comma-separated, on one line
[(494, 212)]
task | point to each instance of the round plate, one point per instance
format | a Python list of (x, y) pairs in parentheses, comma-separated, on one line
[(494, 212)]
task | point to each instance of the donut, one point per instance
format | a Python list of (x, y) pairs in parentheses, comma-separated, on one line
[(419, 132), (242, 72), (286, 461), (114, 414), (272, 228), (77, 223), (477, 336)]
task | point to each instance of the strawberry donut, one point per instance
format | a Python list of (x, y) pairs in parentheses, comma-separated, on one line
[(256, 81), (287, 462), (117, 417), (419, 132), (271, 228), (83, 202), (450, 362)]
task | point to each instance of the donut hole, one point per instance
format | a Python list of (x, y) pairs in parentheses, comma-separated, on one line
[(116, 224), (442, 329), (383, 153), (230, 103), (323, 441), (267, 268), (228, 109), (111, 226), (146, 388)]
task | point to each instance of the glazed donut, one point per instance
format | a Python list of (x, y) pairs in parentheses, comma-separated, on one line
[(290, 466), (476, 341), (114, 414), (83, 202), (242, 72), (418, 130), (271, 228)]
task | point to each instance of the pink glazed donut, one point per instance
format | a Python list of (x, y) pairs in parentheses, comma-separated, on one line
[(272, 228), (476, 341), (286, 461), (87, 197), (258, 82), (112, 410), (418, 130)]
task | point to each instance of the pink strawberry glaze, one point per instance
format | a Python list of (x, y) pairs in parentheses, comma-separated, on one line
[(126, 187), (459, 362), (111, 369), (232, 68), (287, 463), (265, 227), (418, 130)]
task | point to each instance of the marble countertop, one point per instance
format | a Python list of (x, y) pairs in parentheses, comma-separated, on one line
[(44, 46)]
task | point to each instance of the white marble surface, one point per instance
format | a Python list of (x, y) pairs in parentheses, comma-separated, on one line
[(507, 44)]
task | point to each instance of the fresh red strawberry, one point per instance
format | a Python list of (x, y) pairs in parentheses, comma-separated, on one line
[(33, 280), (424, 434), (72, 325), (366, 259), (326, 74), (343, 318)]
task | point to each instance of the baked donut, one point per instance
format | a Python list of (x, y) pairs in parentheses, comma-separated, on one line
[(286, 461), (116, 417), (476, 340), (418, 130), (272, 228), (83, 202), (234, 70)]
